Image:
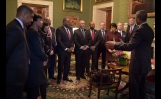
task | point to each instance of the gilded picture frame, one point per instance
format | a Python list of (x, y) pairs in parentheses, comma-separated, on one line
[(74, 20), (73, 5), (147, 5), (100, 1)]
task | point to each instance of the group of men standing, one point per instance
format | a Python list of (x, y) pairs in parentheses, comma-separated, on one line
[(86, 43)]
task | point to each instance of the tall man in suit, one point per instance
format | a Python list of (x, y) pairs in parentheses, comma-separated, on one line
[(101, 47), (52, 64), (121, 31), (17, 52), (94, 47), (82, 41), (140, 61), (65, 45), (130, 29)]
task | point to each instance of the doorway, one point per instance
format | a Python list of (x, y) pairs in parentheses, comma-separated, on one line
[(103, 12), (45, 8), (108, 20)]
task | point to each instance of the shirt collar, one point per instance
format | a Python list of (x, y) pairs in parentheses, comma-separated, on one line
[(142, 24), (20, 22)]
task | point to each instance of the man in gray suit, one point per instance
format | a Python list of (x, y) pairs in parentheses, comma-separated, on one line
[(140, 61)]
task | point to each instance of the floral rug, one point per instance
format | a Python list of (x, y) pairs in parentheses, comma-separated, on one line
[(80, 89)]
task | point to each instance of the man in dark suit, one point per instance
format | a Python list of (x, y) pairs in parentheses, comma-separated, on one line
[(93, 48), (101, 47), (140, 62), (121, 31), (65, 45), (82, 41), (51, 69), (17, 53), (130, 29)]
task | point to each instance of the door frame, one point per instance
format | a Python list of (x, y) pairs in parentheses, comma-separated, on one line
[(39, 2), (96, 9)]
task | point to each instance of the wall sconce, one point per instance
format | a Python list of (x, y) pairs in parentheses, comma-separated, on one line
[(125, 26)]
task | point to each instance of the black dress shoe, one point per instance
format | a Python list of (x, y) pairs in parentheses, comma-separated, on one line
[(67, 79), (52, 78), (83, 77), (58, 82)]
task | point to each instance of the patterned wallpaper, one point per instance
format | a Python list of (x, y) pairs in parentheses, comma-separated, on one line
[(120, 11)]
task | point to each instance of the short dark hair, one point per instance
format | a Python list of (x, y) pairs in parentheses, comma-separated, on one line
[(142, 15), (43, 26), (36, 17), (24, 8), (113, 25)]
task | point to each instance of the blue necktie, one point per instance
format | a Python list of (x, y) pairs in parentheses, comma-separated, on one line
[(83, 33)]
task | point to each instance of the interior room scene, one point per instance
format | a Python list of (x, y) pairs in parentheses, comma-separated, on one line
[(80, 49)]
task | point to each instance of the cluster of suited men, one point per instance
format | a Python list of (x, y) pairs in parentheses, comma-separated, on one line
[(44, 44)]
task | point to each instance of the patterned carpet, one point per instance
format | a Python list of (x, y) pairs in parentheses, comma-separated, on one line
[(80, 89), (76, 89)]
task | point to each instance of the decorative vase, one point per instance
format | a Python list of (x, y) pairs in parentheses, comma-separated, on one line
[(123, 61)]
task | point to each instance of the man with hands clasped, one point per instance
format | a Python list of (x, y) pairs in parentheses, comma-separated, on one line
[(65, 44), (140, 61), (82, 41)]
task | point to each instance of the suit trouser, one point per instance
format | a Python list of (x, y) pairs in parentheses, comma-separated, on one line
[(14, 92), (33, 93), (81, 62), (63, 60), (94, 60), (52, 66), (137, 86), (103, 52)]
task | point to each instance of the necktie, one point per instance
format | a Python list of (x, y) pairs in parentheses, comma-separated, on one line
[(130, 29), (83, 33), (92, 35), (68, 33), (103, 34)]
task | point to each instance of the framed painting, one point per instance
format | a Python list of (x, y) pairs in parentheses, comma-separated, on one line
[(100, 0), (73, 5), (147, 5), (74, 20)]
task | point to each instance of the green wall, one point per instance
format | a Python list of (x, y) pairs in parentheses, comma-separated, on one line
[(120, 11)]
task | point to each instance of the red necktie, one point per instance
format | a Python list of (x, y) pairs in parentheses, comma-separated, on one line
[(130, 29), (92, 35), (68, 33)]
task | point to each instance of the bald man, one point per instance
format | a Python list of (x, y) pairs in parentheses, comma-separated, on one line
[(82, 41), (17, 53), (93, 47)]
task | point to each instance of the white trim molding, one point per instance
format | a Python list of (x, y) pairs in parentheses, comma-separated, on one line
[(39, 2), (100, 15)]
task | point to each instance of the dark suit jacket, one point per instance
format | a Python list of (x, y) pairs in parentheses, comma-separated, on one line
[(17, 54), (36, 75), (53, 37), (123, 37), (140, 45), (79, 41), (128, 35), (96, 38), (63, 41), (102, 41)]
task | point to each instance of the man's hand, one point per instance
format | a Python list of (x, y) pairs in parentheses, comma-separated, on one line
[(45, 62), (51, 52), (92, 48), (110, 44), (69, 50)]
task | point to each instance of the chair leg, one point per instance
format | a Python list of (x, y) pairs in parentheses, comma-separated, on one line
[(98, 93), (90, 88), (116, 93), (107, 92)]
